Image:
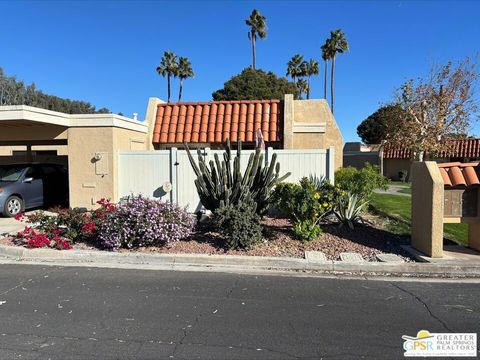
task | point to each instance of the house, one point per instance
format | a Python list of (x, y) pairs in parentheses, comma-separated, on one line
[(90, 143), (392, 160)]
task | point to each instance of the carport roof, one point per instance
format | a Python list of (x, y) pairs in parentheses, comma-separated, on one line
[(29, 113)]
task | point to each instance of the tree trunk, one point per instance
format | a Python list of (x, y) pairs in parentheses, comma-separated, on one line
[(332, 83), (308, 89), (168, 77), (180, 91), (325, 81), (254, 52)]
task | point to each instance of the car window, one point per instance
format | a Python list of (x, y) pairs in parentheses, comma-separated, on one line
[(11, 173), (33, 172)]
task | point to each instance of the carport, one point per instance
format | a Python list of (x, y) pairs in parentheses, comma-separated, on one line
[(87, 143)]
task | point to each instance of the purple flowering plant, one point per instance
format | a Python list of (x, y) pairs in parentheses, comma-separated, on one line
[(139, 221)]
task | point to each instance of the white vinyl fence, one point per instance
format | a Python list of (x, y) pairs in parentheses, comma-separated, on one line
[(151, 172)]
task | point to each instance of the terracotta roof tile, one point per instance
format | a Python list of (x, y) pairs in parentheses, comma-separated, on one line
[(217, 121), (460, 174), (458, 148)]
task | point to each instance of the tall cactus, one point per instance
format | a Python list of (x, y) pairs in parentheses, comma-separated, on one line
[(219, 183)]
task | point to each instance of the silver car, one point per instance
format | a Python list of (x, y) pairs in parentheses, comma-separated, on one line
[(26, 186)]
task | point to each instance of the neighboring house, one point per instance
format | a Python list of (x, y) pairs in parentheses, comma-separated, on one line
[(90, 144), (392, 160)]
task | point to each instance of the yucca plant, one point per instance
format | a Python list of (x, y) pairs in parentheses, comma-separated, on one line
[(349, 208)]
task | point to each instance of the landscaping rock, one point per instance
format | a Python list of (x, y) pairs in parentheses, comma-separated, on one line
[(351, 257), (391, 258), (315, 256)]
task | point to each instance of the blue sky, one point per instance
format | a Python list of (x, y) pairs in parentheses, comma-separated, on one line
[(106, 52)]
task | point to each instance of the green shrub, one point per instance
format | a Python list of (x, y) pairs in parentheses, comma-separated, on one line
[(239, 224), (360, 182), (305, 204)]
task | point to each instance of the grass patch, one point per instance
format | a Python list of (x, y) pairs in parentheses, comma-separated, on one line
[(399, 183), (398, 210), (405, 191)]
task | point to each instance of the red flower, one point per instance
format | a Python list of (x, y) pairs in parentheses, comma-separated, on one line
[(88, 228), (38, 241), (19, 216)]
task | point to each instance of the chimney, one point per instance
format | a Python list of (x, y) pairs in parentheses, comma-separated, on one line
[(135, 116)]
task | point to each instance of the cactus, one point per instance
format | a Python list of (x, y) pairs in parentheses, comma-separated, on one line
[(221, 183)]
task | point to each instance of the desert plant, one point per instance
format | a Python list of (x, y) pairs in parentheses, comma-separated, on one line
[(219, 183), (360, 182), (403, 174), (139, 221), (239, 224), (349, 208)]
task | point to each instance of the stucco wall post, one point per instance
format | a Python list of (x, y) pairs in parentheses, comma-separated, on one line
[(288, 117), (474, 236), (427, 208), (150, 116)]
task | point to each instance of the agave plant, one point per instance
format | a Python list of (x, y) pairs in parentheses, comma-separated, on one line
[(349, 209)]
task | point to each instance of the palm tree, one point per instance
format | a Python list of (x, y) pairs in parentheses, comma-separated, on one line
[(302, 86), (168, 67), (258, 27), (295, 67), (337, 44), (326, 56), (184, 71), (309, 69)]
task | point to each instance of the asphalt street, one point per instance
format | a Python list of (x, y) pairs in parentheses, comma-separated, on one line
[(90, 313)]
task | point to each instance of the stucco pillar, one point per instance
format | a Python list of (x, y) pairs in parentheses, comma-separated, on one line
[(288, 117), (427, 208), (474, 236), (150, 116)]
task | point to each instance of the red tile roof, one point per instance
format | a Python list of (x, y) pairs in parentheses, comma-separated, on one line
[(458, 148), (460, 174), (217, 121)]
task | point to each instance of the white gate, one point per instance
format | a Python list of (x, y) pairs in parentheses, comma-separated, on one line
[(145, 172)]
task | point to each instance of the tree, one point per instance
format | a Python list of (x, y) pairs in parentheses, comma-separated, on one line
[(258, 28), (326, 56), (295, 67), (310, 69), (184, 71), (373, 130), (434, 109), (16, 92), (168, 67), (337, 45), (255, 85), (302, 86)]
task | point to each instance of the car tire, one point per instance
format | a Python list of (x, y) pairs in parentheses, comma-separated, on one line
[(13, 206)]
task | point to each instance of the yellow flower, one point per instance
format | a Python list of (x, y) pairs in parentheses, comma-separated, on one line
[(316, 196), (325, 205)]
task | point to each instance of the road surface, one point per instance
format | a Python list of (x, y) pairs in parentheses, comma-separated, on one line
[(81, 313)]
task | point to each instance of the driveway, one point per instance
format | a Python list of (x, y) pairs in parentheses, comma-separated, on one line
[(10, 225)]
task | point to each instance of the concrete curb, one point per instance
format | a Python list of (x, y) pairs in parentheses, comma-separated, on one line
[(236, 263)]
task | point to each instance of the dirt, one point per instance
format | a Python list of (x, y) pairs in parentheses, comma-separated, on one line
[(279, 241)]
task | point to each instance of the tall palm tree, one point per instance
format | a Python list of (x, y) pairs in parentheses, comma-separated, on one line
[(168, 67), (309, 69), (326, 56), (338, 45), (295, 67), (258, 28), (184, 71), (302, 86)]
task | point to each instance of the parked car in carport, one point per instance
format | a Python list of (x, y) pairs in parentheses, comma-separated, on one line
[(26, 186)]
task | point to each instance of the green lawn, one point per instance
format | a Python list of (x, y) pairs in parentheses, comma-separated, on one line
[(405, 191), (399, 183), (398, 210)]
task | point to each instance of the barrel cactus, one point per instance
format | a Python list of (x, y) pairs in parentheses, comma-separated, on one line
[(221, 182)]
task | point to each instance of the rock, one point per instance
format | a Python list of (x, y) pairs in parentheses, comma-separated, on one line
[(315, 256), (389, 258), (351, 257)]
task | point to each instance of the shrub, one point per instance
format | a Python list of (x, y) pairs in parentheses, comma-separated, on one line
[(240, 224), (305, 204), (33, 239), (349, 208), (139, 221), (360, 182)]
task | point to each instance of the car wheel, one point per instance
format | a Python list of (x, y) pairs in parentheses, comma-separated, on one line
[(13, 206)]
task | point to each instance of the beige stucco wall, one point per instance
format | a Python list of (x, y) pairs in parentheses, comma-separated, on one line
[(427, 208), (314, 115), (25, 130), (91, 179)]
